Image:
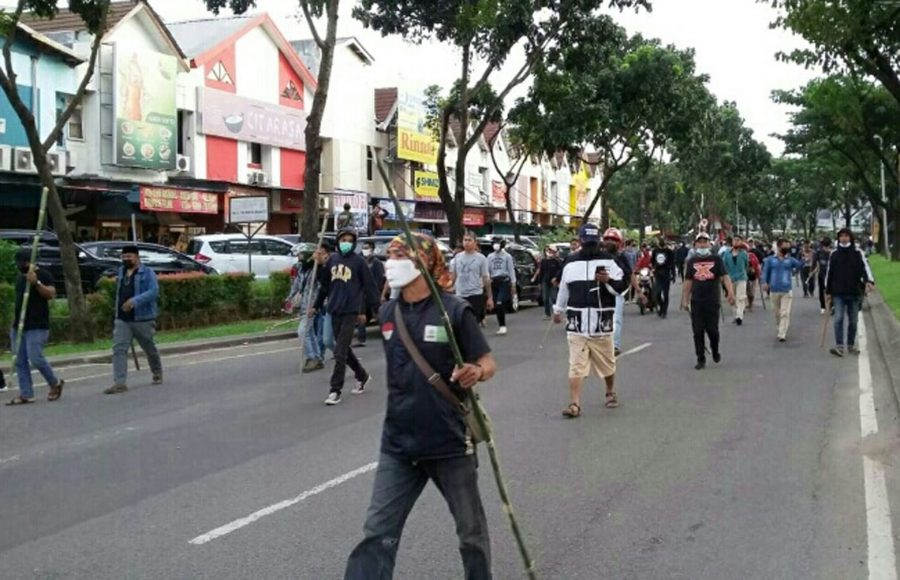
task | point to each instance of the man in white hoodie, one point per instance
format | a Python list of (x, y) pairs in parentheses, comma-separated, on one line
[(590, 283)]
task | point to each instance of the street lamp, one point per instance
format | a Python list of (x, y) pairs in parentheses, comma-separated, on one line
[(884, 222)]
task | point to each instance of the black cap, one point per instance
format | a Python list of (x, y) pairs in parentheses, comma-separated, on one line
[(130, 249), (23, 256)]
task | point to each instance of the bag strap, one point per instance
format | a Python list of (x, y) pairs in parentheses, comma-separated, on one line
[(434, 378)]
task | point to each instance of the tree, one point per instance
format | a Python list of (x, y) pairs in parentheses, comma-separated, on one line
[(93, 13), (484, 31), (621, 97), (312, 9), (517, 158), (856, 36)]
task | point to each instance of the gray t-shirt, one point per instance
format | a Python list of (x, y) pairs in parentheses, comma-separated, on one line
[(500, 264), (470, 270)]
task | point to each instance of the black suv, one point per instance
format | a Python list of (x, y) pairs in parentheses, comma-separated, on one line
[(526, 266), (160, 259)]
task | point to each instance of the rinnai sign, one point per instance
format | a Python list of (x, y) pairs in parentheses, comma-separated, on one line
[(248, 209), (226, 115)]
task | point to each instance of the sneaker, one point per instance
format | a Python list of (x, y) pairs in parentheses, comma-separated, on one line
[(738, 321), (115, 389), (502, 331), (617, 351), (837, 351), (700, 364), (361, 386), (821, 311), (853, 350), (782, 339), (717, 357), (157, 379), (333, 399)]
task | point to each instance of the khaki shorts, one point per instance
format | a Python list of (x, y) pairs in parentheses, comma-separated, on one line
[(591, 353)]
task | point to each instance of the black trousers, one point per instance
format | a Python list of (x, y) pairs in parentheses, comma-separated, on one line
[(705, 322), (344, 325), (822, 291), (478, 305), (662, 293)]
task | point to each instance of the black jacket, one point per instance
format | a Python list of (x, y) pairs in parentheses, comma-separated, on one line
[(848, 272), (550, 268), (348, 285)]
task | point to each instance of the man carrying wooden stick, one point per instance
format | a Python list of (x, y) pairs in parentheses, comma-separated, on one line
[(425, 436), (35, 329)]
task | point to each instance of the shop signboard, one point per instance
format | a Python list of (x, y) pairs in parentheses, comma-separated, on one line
[(408, 207), (426, 185), (248, 209), (415, 141), (175, 200), (226, 115), (430, 212), (498, 194), (473, 217), (146, 120), (359, 207)]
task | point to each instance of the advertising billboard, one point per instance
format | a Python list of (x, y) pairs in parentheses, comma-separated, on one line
[(233, 117), (146, 119), (178, 200), (248, 209), (426, 185), (415, 142)]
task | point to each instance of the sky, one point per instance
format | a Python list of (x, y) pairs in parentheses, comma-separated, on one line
[(733, 42)]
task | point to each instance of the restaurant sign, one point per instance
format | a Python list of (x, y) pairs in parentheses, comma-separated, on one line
[(427, 184), (473, 217), (178, 200), (226, 115)]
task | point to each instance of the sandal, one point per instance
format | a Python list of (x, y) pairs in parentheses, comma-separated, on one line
[(612, 400), (19, 401), (56, 392), (572, 411)]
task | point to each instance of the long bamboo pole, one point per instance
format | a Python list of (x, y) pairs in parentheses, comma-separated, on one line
[(309, 289), (20, 329), (473, 396)]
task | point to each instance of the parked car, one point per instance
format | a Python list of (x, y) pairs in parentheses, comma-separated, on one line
[(26, 237), (91, 267), (160, 259), (234, 253), (381, 243), (526, 266)]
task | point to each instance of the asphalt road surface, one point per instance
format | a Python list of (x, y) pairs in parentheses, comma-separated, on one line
[(777, 463)]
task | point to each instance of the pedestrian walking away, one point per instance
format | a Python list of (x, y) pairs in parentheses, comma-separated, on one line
[(137, 294), (612, 242), (704, 275), (807, 277), (472, 278), (680, 258), (823, 255), (349, 289), (502, 269), (587, 298), (778, 274), (424, 436), (376, 268), (663, 263), (548, 273), (847, 280), (737, 263), (38, 283)]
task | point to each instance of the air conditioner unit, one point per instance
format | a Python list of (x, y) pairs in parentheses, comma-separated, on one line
[(57, 161), (6, 155), (182, 163), (23, 161), (257, 178)]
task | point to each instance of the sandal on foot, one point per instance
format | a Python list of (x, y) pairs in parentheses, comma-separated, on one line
[(19, 401), (572, 411), (612, 400), (56, 392)]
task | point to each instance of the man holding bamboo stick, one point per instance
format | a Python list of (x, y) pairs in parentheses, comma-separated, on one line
[(35, 329), (425, 436)]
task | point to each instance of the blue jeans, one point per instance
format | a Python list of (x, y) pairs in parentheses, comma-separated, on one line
[(31, 353), (324, 333), (845, 306), (548, 295), (398, 485), (309, 338), (618, 317)]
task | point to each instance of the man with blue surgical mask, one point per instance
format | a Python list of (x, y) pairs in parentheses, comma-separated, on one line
[(704, 275), (348, 286)]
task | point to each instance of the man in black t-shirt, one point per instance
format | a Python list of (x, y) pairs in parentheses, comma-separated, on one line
[(703, 278), (38, 285), (425, 436), (820, 268), (663, 263)]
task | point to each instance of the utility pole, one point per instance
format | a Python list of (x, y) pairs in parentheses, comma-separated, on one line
[(884, 223)]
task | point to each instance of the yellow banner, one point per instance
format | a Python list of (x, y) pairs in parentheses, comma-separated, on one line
[(415, 141), (426, 184)]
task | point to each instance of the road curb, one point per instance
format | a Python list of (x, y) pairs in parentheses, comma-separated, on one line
[(887, 333), (105, 357)]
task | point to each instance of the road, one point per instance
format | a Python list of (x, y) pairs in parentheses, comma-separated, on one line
[(753, 468)]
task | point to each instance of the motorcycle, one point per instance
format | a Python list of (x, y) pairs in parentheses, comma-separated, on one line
[(645, 290)]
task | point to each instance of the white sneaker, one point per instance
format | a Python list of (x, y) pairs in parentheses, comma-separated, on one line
[(821, 311), (333, 399), (502, 331), (361, 386)]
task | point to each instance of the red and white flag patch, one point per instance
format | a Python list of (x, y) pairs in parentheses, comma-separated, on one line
[(387, 330)]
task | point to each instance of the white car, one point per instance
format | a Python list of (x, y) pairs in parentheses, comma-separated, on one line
[(232, 253)]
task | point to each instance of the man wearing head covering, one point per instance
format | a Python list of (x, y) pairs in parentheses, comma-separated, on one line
[(704, 274), (425, 436), (37, 285), (587, 295), (137, 293)]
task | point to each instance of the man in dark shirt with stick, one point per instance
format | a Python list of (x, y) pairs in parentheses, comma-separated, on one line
[(704, 275)]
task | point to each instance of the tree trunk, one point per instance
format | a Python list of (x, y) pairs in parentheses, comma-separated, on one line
[(642, 222), (509, 210), (895, 237), (309, 226)]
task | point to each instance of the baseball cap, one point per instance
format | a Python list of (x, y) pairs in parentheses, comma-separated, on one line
[(589, 233)]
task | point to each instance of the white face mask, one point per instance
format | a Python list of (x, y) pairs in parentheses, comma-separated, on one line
[(844, 244), (400, 273), (366, 252), (496, 247)]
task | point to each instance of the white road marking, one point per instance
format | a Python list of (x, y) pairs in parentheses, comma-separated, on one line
[(636, 349), (266, 511), (882, 563), (9, 459)]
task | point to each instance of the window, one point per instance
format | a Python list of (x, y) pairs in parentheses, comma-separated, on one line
[(256, 154), (158, 257), (217, 247), (240, 247), (75, 127), (276, 248), (370, 162), (182, 131)]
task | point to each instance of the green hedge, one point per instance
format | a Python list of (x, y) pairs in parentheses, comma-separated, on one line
[(7, 307), (8, 262)]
